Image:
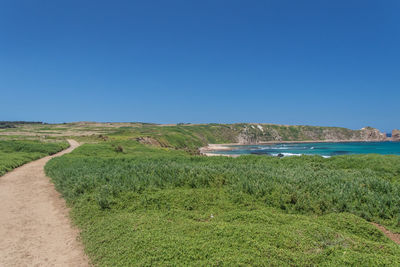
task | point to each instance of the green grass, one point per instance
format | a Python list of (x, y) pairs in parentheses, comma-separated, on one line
[(195, 227), (14, 153), (144, 206)]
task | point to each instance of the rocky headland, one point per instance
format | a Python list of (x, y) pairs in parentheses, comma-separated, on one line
[(396, 135), (258, 133)]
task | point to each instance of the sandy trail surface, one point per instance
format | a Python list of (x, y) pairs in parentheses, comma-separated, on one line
[(392, 236), (35, 229)]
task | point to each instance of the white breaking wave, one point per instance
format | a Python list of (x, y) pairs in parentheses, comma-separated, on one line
[(295, 154), (271, 147)]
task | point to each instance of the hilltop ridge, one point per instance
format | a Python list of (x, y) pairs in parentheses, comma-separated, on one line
[(193, 136)]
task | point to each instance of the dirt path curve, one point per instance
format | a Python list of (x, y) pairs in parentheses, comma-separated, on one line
[(34, 226), (392, 236)]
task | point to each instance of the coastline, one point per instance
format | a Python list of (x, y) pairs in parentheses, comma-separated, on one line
[(218, 154), (210, 148), (205, 151)]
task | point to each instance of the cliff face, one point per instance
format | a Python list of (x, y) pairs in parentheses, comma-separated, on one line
[(372, 134), (256, 133), (396, 135)]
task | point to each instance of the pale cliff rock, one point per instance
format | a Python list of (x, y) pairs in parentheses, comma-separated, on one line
[(254, 135), (372, 134), (247, 137), (396, 135), (149, 141)]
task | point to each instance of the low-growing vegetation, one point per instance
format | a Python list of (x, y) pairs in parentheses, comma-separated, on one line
[(141, 205), (14, 153)]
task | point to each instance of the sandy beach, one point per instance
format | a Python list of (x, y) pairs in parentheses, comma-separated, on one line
[(211, 148)]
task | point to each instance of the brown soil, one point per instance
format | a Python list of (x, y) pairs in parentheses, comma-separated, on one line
[(148, 141), (34, 226), (392, 236)]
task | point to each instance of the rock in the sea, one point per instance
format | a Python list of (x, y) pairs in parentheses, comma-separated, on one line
[(280, 155), (396, 135)]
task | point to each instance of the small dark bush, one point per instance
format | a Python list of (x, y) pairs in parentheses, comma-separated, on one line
[(119, 149)]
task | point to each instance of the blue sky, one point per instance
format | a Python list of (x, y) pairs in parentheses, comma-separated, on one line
[(334, 63)]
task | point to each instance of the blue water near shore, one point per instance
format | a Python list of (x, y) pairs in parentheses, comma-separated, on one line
[(322, 149)]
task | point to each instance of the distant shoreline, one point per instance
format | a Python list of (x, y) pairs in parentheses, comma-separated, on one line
[(211, 148)]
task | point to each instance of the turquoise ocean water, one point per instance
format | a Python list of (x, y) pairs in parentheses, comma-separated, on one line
[(322, 149)]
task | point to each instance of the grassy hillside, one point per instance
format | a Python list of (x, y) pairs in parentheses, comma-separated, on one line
[(191, 137), (16, 153), (142, 205)]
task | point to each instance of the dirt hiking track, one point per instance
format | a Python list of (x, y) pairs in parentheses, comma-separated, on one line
[(392, 236), (34, 226)]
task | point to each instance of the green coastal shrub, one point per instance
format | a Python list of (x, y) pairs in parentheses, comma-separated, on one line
[(15, 153), (308, 184), (153, 206)]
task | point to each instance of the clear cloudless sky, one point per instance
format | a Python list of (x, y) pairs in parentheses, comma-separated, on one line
[(334, 63)]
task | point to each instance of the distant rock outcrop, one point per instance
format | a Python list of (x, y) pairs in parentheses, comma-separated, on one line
[(149, 141), (396, 135), (372, 134), (253, 134)]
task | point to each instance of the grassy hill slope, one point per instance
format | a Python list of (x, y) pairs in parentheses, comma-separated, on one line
[(141, 205), (195, 136), (16, 153)]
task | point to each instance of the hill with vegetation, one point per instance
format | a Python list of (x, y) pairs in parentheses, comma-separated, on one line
[(14, 153), (141, 195), (194, 136), (140, 203)]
